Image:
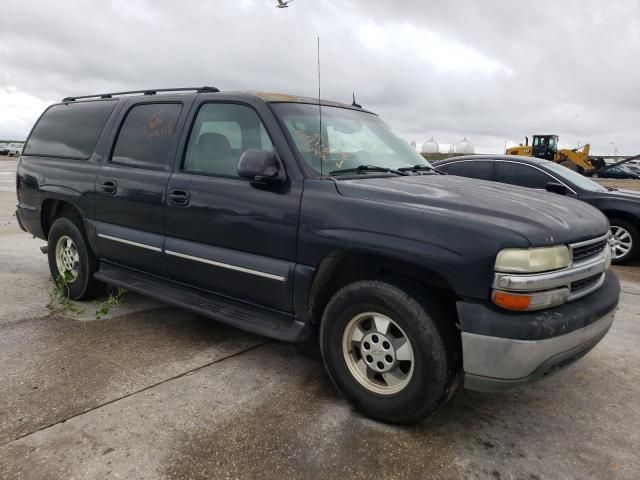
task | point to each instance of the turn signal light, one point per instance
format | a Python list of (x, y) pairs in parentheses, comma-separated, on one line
[(511, 301), (530, 301)]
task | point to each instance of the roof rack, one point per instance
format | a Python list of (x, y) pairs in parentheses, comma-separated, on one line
[(144, 92)]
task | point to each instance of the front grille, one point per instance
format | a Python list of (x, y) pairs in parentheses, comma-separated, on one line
[(589, 250), (585, 283)]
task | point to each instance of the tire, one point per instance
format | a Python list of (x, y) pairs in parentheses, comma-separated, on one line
[(626, 241), (67, 245), (419, 385)]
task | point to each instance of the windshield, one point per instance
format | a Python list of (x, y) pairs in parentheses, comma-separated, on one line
[(349, 139), (574, 177)]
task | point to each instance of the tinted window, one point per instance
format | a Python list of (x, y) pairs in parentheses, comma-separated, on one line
[(145, 135), (472, 168), (220, 133), (69, 130), (522, 175)]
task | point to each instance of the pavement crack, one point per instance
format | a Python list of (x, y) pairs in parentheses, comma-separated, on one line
[(627, 292), (148, 387)]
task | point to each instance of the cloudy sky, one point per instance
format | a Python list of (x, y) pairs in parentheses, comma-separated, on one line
[(493, 71)]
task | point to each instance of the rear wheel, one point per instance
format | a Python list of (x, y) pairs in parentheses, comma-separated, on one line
[(386, 351), (71, 262), (624, 241)]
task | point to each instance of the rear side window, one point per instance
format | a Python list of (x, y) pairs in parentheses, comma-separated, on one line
[(69, 130), (146, 134), (479, 169), (521, 175)]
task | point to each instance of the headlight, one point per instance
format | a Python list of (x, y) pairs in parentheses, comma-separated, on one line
[(531, 260)]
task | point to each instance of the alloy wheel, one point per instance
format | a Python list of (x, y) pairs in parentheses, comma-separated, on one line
[(378, 353), (621, 242), (67, 259)]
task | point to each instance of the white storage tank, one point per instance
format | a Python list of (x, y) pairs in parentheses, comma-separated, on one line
[(465, 146), (431, 146)]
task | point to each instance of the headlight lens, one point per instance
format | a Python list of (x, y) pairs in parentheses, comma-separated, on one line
[(532, 260)]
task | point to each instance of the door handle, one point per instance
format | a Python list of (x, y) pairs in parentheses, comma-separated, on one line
[(109, 187), (179, 197)]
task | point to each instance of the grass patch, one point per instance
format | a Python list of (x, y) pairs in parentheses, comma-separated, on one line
[(59, 301), (114, 300)]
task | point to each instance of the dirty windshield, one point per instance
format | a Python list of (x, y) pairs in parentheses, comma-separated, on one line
[(350, 138)]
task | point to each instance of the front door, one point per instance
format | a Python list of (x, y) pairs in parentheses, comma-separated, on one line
[(223, 234), (131, 186)]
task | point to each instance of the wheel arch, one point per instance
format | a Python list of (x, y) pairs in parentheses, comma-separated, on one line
[(53, 209), (343, 267), (612, 214)]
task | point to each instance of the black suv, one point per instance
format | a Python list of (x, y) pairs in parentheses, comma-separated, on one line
[(289, 217)]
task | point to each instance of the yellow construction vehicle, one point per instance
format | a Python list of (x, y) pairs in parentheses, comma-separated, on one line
[(546, 147)]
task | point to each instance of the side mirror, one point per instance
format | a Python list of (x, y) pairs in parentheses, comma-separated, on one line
[(555, 187), (262, 167)]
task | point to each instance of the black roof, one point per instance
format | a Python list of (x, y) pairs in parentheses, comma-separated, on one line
[(519, 158)]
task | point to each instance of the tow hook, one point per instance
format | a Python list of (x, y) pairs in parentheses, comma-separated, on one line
[(44, 249)]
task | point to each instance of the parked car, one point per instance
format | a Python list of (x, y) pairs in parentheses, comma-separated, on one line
[(621, 171), (4, 149), (622, 207), (236, 206), (635, 168), (14, 150)]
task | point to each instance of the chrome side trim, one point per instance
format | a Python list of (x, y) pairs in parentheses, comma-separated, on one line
[(129, 242), (548, 280), (227, 266), (510, 359), (503, 160)]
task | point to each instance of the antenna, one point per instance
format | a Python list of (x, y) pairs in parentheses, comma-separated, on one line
[(355, 104), (320, 108)]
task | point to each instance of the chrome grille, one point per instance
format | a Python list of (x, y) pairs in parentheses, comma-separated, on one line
[(591, 248), (585, 283)]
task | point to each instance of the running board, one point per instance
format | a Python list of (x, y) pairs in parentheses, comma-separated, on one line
[(245, 316)]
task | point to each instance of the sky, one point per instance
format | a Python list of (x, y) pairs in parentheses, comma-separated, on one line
[(493, 71)]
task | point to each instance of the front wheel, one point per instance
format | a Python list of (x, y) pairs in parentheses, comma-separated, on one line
[(625, 241), (387, 351)]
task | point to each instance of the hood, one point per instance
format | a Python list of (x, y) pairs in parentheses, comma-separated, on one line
[(624, 194), (542, 218)]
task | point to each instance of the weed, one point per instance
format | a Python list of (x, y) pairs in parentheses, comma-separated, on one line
[(59, 301), (114, 300)]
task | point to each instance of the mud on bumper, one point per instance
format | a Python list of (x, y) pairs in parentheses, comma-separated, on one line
[(504, 349)]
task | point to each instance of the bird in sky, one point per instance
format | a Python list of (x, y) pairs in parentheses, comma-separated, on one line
[(283, 4)]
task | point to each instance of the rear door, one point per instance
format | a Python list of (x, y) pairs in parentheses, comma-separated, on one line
[(225, 235), (132, 180)]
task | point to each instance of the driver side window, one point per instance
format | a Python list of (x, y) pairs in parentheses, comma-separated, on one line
[(220, 133)]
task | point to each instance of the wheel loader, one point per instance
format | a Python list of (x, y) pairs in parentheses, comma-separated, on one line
[(546, 147)]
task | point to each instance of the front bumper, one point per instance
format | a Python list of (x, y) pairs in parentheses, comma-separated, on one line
[(503, 349)]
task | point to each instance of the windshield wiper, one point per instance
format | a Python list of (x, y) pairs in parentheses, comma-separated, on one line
[(418, 168), (612, 189), (368, 168)]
